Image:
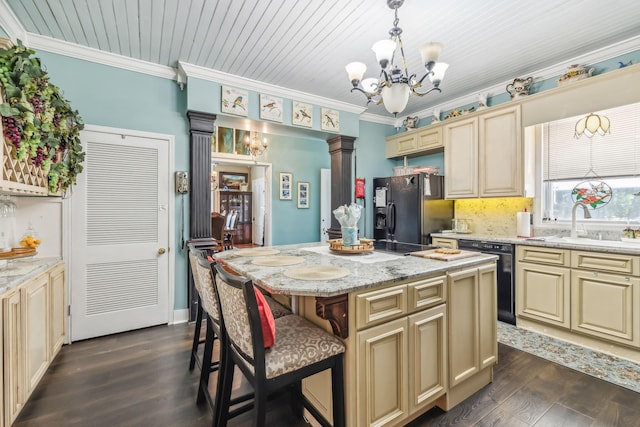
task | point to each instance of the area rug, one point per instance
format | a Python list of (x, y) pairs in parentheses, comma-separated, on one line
[(600, 365)]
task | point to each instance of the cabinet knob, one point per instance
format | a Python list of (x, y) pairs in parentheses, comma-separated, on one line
[(626, 279), (595, 274), (162, 251)]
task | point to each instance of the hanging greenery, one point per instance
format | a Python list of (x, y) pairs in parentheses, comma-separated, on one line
[(38, 120)]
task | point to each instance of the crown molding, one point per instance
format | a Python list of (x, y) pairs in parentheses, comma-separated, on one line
[(90, 54), (377, 118), (191, 70), (10, 23), (599, 55)]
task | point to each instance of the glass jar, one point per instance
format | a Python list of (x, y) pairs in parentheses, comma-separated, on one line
[(30, 238), (7, 223)]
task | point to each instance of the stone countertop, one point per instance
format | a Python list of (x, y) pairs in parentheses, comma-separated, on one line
[(17, 271), (368, 270), (609, 246)]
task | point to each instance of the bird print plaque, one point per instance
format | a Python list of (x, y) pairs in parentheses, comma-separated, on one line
[(235, 101), (302, 114), (330, 120), (270, 108)]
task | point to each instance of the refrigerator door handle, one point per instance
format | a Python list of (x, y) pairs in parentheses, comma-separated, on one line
[(392, 222)]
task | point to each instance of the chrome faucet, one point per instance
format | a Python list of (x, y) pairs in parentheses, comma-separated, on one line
[(587, 215)]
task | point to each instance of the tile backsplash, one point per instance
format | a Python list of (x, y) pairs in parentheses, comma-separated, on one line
[(492, 216)]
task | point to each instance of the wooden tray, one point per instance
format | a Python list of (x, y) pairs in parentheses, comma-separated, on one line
[(18, 253), (432, 254), (365, 245)]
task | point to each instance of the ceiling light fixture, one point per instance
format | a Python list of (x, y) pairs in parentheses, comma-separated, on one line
[(395, 84), (255, 145), (592, 124)]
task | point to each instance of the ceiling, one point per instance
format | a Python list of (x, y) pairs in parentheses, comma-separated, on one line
[(305, 44)]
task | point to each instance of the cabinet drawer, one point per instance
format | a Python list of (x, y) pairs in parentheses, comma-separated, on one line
[(380, 306), (444, 243), (548, 256), (614, 263), (426, 293)]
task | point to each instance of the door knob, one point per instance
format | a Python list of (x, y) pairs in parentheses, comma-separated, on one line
[(161, 251)]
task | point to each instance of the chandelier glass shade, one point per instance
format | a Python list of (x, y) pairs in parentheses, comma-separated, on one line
[(395, 84), (592, 124), (255, 145)]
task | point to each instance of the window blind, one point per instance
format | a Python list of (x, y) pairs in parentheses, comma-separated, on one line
[(614, 154)]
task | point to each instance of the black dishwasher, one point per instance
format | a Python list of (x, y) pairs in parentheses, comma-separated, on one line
[(505, 270)]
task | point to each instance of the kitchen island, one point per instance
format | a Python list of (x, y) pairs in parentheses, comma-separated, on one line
[(419, 332)]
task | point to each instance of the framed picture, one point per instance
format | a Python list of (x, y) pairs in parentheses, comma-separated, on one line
[(232, 180), (285, 185), (225, 140), (303, 195), (235, 101), (270, 108), (240, 147), (302, 114), (330, 120)]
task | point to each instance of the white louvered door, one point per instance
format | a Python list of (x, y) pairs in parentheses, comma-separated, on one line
[(120, 236)]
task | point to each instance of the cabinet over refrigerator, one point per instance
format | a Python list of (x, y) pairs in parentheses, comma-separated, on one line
[(409, 208)]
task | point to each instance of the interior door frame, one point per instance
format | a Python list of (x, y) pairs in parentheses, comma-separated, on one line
[(173, 247)]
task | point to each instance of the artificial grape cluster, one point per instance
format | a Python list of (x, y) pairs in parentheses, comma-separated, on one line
[(37, 104), (11, 130)]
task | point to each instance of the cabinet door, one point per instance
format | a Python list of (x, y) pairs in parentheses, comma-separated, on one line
[(57, 309), (13, 358), (402, 144), (427, 356), (488, 315), (461, 159), (430, 139), (464, 356), (617, 320), (382, 375), (500, 153), (542, 293), (35, 318)]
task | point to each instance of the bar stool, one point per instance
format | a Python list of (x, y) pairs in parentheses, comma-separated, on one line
[(207, 294), (199, 314), (300, 349)]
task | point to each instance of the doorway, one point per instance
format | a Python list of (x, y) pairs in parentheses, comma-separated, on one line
[(260, 187), (121, 223)]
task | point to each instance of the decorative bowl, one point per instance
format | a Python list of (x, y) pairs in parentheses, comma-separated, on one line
[(576, 72)]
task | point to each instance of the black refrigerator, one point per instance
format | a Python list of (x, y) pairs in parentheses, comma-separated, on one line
[(409, 208)]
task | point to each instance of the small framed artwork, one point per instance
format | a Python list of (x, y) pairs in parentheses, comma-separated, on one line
[(330, 120), (285, 185), (302, 114), (241, 137), (303, 195), (270, 108), (235, 101), (232, 180), (225, 140)]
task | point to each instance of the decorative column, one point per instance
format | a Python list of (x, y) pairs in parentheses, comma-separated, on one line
[(200, 133), (341, 150)]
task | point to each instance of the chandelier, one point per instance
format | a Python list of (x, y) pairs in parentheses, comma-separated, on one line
[(255, 145), (394, 84), (592, 124)]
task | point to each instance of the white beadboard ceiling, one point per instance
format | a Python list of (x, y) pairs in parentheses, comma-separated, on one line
[(305, 44)]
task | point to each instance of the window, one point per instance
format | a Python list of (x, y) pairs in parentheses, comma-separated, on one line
[(613, 158)]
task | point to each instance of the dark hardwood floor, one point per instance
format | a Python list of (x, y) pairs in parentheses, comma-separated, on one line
[(140, 378)]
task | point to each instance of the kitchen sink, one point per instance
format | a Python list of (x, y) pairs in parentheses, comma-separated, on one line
[(594, 242)]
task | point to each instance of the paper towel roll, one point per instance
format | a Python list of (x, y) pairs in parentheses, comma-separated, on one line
[(523, 224)]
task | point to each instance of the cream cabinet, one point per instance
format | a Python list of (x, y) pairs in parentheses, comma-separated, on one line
[(33, 331), (484, 155), (444, 243), (586, 292), (427, 356), (472, 322), (382, 374), (401, 350), (13, 371), (415, 142)]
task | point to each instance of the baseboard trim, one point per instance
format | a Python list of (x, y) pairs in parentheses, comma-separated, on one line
[(180, 316)]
